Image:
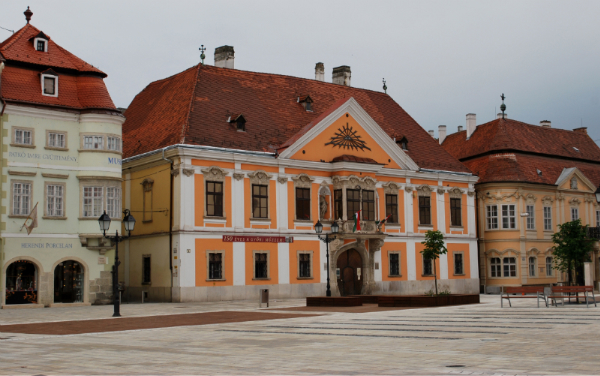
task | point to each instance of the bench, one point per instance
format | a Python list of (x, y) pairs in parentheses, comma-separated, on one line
[(523, 290), (564, 292)]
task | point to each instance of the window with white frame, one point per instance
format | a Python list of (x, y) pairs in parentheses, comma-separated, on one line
[(492, 217), (549, 266), (93, 142), (92, 201), (496, 267), (56, 140), (574, 214), (23, 137), (510, 266), (21, 198), (55, 200), (50, 85), (113, 202), (532, 266), (114, 143), (530, 217), (509, 219), (547, 218)]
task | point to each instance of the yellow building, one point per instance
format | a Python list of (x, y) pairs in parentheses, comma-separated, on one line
[(227, 172), (532, 178)]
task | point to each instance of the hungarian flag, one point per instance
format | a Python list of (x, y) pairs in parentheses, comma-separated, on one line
[(356, 221), (379, 223)]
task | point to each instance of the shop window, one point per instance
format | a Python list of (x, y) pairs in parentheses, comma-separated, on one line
[(146, 270), (215, 265), (459, 268), (391, 208), (547, 218), (338, 204), (21, 199), (214, 199), (455, 212), (21, 283), (260, 198), (509, 219), (68, 282), (352, 202), (303, 203), (55, 200), (532, 262), (304, 265), (492, 217), (394, 261), (549, 267), (427, 267), (530, 217), (261, 264), (496, 267), (424, 210), (92, 201), (510, 266)]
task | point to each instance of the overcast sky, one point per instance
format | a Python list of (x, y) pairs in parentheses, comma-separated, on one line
[(441, 59)]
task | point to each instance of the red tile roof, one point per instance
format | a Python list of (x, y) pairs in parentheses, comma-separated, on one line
[(80, 85), (352, 158), (192, 107)]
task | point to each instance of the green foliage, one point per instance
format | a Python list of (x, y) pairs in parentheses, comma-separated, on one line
[(442, 293), (572, 246), (445, 292), (434, 247)]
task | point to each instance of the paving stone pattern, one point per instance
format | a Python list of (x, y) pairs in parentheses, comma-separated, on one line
[(473, 339)]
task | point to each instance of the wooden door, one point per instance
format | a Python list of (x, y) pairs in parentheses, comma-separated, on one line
[(349, 282)]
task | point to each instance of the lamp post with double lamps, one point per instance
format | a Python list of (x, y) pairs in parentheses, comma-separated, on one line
[(129, 223), (328, 239)]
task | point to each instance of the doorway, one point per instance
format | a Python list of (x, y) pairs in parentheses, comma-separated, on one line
[(351, 273)]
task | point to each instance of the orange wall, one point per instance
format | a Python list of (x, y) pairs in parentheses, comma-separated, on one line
[(385, 264), (273, 262), (199, 199), (464, 248), (305, 245), (202, 245)]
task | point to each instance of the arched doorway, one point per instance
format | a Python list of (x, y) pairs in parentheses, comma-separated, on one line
[(68, 282), (350, 267), (21, 283)]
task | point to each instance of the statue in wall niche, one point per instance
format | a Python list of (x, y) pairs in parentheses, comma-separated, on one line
[(322, 206)]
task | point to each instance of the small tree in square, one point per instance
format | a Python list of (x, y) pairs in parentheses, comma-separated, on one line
[(434, 247), (572, 247)]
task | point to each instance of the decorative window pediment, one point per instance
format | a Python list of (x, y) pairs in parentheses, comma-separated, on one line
[(530, 198), (147, 184), (259, 177), (214, 173), (391, 188), (302, 180), (353, 182), (424, 190), (575, 201), (455, 192), (547, 200)]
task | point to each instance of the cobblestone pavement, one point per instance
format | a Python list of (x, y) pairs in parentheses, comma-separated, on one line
[(474, 339)]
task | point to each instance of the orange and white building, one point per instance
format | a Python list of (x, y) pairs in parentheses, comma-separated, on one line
[(227, 171)]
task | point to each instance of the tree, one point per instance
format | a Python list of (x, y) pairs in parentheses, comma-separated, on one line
[(572, 248), (434, 247)]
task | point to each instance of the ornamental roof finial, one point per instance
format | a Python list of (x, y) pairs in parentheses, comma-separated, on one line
[(384, 86), (202, 55), (502, 106), (28, 14)]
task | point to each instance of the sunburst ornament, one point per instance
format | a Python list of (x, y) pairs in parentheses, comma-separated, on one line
[(348, 139)]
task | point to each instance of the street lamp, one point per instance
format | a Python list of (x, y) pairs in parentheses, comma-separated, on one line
[(129, 223), (328, 239)]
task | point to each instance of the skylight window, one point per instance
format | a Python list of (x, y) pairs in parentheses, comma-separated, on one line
[(306, 102), (539, 172), (577, 150)]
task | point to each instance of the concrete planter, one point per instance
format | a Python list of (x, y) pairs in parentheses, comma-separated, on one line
[(427, 301)]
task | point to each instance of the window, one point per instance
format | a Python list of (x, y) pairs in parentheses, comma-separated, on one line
[(549, 266), (214, 199), (496, 267), (303, 203), (532, 262), (260, 266), (574, 214), (391, 208), (574, 181), (492, 217), (304, 265), (368, 205), (114, 143), (509, 219), (338, 204), (260, 208), (394, 258), (93, 142), (92, 201), (113, 202), (597, 218), (50, 85), (41, 46), (459, 268), (530, 217), (424, 210), (215, 266), (56, 140), (547, 218), (352, 202), (510, 266), (23, 137), (54, 200), (455, 212), (427, 266), (21, 198), (146, 260)]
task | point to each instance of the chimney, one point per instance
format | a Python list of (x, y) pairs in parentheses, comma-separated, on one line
[(499, 115), (471, 124), (581, 130), (320, 72), (546, 124), (341, 75), (431, 133), (460, 128), (442, 133), (224, 56)]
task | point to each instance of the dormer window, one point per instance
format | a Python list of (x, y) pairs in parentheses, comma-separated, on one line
[(49, 80), (239, 121), (41, 45), (306, 102), (40, 42), (403, 143)]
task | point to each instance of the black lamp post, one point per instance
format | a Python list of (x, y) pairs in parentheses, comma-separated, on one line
[(129, 223), (328, 239)]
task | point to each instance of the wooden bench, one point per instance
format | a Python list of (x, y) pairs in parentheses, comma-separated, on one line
[(523, 290), (564, 292)]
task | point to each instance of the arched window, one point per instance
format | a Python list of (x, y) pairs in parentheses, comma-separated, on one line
[(68, 282), (21, 283)]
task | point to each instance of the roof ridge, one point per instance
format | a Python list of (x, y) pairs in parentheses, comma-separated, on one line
[(16, 36), (186, 125)]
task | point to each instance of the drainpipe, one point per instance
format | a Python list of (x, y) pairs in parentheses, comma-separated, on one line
[(170, 219)]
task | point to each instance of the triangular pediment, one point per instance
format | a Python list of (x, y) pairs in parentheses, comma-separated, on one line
[(573, 173), (346, 129)]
